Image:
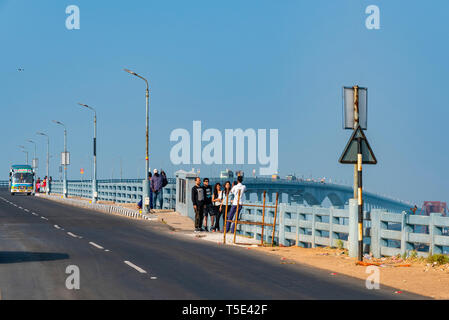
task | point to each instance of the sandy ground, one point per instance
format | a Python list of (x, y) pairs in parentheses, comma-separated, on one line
[(413, 275)]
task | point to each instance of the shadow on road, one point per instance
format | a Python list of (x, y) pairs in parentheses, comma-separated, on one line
[(17, 256)]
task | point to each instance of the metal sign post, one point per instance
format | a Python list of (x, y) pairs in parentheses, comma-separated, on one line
[(358, 152)]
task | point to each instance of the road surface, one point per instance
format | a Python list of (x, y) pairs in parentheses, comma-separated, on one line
[(121, 258)]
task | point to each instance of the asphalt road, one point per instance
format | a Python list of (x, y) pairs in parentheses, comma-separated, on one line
[(121, 258)]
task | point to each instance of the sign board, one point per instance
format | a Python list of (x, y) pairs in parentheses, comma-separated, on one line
[(81, 171), (147, 201), (35, 163), (349, 155), (348, 107), (65, 158)]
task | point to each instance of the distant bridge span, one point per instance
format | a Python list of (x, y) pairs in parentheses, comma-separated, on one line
[(314, 193)]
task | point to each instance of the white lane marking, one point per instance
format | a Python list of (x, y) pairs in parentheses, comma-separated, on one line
[(34, 213), (73, 235), (107, 250), (96, 245), (26, 210), (44, 218), (20, 208), (57, 227), (132, 265), (153, 278)]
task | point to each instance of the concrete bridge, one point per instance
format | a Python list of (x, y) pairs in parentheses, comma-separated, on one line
[(315, 193)]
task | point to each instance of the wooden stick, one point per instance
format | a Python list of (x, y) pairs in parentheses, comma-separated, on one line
[(236, 215), (274, 222), (225, 218), (263, 216)]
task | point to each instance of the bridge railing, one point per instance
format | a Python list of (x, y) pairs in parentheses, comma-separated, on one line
[(385, 233), (116, 190)]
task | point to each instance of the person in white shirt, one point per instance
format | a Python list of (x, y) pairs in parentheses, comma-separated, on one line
[(238, 190)]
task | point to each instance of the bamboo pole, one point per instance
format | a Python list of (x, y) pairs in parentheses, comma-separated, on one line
[(263, 217), (236, 215), (274, 222), (225, 218)]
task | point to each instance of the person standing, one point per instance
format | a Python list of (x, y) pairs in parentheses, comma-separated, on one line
[(237, 191), (44, 184), (225, 196), (208, 208), (156, 187), (198, 203), (151, 191), (217, 198)]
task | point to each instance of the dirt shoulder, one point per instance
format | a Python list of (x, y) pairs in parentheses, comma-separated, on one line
[(412, 275)]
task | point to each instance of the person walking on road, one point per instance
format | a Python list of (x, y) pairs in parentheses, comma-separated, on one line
[(208, 207), (237, 191), (198, 203), (156, 187)]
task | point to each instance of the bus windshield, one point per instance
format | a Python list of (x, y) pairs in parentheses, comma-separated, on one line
[(22, 178)]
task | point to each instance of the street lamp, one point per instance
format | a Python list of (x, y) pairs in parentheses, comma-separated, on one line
[(94, 180), (64, 159), (48, 160), (24, 150), (34, 162), (146, 183)]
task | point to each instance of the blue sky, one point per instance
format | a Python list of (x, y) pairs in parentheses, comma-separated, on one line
[(231, 64)]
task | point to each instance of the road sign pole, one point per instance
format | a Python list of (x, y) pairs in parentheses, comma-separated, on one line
[(360, 197), (356, 122)]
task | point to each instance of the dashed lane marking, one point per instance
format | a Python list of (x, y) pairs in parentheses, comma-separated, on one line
[(96, 245), (132, 265), (44, 218), (73, 235)]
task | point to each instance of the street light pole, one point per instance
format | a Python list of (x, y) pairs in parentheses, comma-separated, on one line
[(64, 192), (146, 183), (94, 180), (48, 161), (34, 162), (26, 152)]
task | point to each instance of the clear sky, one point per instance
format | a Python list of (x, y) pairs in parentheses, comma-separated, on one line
[(231, 64)]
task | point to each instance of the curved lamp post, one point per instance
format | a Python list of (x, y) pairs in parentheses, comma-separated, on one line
[(64, 192), (94, 180), (48, 160), (146, 183)]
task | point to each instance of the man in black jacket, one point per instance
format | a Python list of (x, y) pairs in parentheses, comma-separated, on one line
[(198, 204)]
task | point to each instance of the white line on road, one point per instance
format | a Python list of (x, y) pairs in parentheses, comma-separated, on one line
[(26, 210), (57, 227), (44, 218), (135, 267), (96, 245), (34, 213), (72, 235), (153, 278), (20, 208)]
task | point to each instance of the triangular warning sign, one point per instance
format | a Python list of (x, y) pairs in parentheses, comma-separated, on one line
[(349, 155)]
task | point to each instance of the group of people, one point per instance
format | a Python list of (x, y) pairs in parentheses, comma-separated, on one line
[(208, 202), (157, 182), (41, 185)]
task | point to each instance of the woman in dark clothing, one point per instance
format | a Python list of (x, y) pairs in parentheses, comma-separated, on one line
[(223, 195)]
